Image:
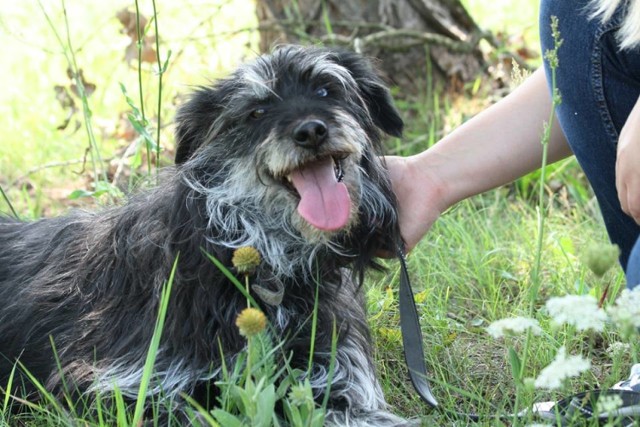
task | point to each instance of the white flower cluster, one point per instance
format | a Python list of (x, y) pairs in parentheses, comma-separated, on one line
[(608, 403), (581, 311), (561, 368), (626, 310), (513, 325), (616, 349)]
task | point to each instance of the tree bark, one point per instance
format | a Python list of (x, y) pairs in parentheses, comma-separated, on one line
[(415, 40)]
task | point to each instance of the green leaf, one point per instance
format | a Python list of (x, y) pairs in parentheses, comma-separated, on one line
[(102, 187), (243, 398), (265, 406), (318, 418), (292, 414), (130, 101), (165, 65), (76, 194), (226, 419), (516, 365)]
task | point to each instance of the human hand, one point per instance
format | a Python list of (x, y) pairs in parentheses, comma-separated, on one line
[(419, 204), (627, 170)]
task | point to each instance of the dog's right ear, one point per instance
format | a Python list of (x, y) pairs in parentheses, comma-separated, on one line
[(195, 119), (374, 91)]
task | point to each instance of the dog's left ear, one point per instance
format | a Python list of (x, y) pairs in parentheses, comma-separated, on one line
[(192, 121), (195, 119), (374, 91)]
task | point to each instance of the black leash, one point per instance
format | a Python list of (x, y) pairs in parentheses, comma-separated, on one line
[(412, 336), (412, 342)]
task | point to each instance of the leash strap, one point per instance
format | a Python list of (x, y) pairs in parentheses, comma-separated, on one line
[(412, 343), (412, 336)]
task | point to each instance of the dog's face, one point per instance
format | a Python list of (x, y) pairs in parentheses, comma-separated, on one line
[(296, 129)]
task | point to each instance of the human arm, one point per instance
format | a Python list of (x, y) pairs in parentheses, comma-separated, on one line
[(628, 164), (493, 148)]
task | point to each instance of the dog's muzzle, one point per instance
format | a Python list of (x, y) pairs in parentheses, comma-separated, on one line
[(325, 202)]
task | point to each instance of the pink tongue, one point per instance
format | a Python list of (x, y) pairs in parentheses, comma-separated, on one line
[(324, 202)]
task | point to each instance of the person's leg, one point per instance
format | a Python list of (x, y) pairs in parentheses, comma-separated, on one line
[(633, 266), (599, 86)]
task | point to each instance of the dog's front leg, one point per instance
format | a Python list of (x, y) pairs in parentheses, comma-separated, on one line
[(356, 397)]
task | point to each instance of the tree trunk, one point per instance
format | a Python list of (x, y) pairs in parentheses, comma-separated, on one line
[(414, 39)]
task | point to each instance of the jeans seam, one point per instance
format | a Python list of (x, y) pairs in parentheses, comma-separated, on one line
[(597, 80)]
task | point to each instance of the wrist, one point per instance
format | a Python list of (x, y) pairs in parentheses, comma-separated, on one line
[(425, 170)]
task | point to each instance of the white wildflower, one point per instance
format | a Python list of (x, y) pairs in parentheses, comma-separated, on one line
[(581, 311), (626, 310), (513, 325), (562, 367), (608, 403), (618, 348)]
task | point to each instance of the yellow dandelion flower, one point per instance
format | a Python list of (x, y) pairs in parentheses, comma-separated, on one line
[(251, 321), (246, 259)]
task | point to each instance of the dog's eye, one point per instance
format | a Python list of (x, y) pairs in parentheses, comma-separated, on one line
[(322, 92), (257, 113)]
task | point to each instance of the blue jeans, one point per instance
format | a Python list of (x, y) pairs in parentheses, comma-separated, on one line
[(599, 86)]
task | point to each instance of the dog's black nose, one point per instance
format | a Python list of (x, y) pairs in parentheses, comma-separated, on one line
[(310, 134)]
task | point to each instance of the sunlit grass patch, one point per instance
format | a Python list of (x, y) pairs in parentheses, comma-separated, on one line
[(47, 162)]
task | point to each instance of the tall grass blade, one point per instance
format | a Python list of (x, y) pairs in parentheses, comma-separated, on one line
[(140, 35), (65, 388), (233, 279), (8, 202), (121, 409), (161, 70), (201, 411), (552, 57), (153, 347), (48, 397), (332, 365), (7, 391), (70, 56), (314, 328), (326, 19)]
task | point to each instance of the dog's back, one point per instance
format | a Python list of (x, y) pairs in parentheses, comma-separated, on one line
[(34, 257)]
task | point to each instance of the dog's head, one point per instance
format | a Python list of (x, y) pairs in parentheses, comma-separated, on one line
[(298, 129)]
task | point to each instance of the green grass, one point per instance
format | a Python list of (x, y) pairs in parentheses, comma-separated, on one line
[(474, 267)]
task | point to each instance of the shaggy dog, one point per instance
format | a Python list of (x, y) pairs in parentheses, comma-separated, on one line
[(281, 156)]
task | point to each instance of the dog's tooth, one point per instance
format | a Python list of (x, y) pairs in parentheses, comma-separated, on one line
[(337, 168)]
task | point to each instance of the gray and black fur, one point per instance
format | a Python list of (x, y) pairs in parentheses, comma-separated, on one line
[(91, 281)]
